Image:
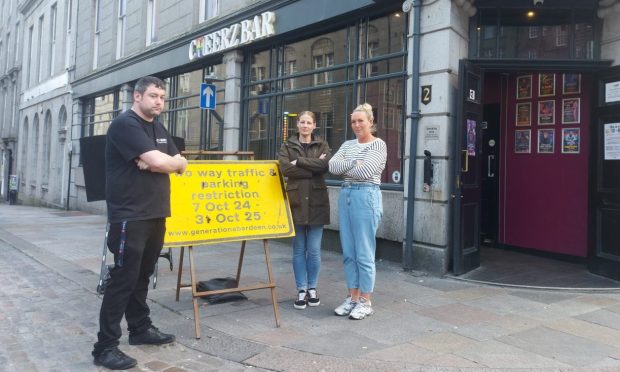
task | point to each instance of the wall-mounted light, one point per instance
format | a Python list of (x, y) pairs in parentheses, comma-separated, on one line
[(531, 14)]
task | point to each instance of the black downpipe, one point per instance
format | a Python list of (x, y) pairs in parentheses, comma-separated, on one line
[(69, 181), (415, 120)]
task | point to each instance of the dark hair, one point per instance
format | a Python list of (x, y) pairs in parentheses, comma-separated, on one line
[(143, 83)]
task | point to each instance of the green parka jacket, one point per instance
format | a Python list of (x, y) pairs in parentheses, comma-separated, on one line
[(305, 183)]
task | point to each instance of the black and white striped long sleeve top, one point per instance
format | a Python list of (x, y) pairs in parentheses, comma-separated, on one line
[(373, 154)]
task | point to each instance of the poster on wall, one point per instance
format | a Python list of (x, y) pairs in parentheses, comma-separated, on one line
[(571, 83), (524, 86), (471, 137), (612, 92), (523, 141), (546, 112), (546, 141), (571, 108), (612, 141), (571, 138), (524, 114), (546, 85)]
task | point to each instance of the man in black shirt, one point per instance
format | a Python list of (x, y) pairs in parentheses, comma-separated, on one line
[(139, 156)]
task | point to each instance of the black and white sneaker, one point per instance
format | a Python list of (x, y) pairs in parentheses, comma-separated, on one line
[(302, 300), (313, 297)]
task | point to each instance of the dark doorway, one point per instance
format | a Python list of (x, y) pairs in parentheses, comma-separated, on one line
[(490, 173), (466, 197), (534, 192), (604, 240)]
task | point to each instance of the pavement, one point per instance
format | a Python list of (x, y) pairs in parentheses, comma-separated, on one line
[(49, 269)]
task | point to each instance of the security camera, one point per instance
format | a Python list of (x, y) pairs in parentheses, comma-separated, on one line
[(539, 2)]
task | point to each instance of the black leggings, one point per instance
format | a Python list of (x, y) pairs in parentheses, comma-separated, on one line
[(129, 285)]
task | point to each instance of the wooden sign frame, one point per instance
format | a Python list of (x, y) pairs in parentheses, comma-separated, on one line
[(271, 285)]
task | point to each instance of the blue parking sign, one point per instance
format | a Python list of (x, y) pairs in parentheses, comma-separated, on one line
[(207, 96)]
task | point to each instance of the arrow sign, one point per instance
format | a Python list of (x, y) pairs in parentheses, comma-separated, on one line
[(207, 96)]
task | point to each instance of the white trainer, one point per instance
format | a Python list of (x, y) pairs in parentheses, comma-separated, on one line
[(346, 307), (362, 310)]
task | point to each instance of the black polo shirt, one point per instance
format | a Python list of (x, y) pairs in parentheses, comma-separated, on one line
[(133, 194)]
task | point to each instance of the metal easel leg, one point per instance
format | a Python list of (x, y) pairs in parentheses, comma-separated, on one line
[(180, 274)]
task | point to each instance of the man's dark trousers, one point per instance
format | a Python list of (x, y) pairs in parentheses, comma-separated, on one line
[(129, 284)]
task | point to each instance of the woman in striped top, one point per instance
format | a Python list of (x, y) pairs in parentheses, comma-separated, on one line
[(361, 162)]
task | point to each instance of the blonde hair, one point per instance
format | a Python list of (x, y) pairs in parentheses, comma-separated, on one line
[(308, 113), (367, 109)]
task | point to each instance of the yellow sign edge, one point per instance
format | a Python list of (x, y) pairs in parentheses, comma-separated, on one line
[(289, 233)]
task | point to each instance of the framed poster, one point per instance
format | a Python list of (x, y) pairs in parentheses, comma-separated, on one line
[(524, 86), (571, 139), (571, 108), (611, 134), (524, 114), (546, 85), (571, 83), (546, 141), (546, 112), (612, 92), (471, 137), (523, 141)]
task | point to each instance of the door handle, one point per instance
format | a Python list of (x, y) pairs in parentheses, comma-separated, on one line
[(465, 161), (490, 158)]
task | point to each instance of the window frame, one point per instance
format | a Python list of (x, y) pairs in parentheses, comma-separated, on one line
[(491, 15), (68, 31), (152, 22), (208, 9), (96, 33), (121, 26), (9, 61), (344, 78), (90, 112), (39, 63), (53, 29), (28, 62)]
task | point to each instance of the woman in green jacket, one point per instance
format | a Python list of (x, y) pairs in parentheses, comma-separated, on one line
[(304, 160)]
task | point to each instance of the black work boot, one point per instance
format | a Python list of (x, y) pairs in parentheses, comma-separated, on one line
[(113, 358), (152, 336)]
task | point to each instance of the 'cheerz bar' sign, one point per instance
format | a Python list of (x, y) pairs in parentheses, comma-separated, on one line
[(244, 32)]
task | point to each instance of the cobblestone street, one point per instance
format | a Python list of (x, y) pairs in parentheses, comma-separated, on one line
[(48, 323)]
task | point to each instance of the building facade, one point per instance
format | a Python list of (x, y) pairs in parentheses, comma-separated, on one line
[(45, 45), (10, 88), (480, 103)]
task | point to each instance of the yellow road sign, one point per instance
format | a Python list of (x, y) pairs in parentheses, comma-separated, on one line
[(223, 201)]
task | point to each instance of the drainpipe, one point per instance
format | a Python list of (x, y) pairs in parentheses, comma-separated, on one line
[(69, 179), (413, 65)]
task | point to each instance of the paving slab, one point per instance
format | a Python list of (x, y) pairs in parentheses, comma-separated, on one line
[(444, 342), (588, 330), (603, 317), (573, 350), (497, 354), (48, 313), (458, 314)]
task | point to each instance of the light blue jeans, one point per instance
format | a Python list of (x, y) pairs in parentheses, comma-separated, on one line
[(307, 255), (360, 209)]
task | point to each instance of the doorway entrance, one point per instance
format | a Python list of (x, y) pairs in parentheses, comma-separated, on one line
[(535, 147), (524, 178), (491, 151)]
